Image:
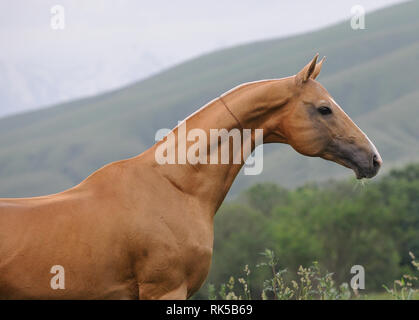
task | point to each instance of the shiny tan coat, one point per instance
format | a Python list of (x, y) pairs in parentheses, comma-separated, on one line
[(139, 230)]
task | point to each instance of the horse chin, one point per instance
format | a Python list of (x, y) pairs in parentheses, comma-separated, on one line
[(357, 171), (362, 173), (367, 175), (358, 174), (345, 162)]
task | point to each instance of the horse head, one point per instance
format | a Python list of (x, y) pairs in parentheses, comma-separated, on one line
[(315, 125)]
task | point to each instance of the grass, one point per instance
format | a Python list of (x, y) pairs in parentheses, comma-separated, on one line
[(309, 283)]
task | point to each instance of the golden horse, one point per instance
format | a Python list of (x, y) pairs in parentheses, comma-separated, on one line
[(137, 229)]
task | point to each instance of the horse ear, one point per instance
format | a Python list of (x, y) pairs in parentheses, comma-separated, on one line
[(306, 72), (317, 69)]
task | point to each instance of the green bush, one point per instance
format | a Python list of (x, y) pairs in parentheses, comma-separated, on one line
[(339, 224), (308, 283)]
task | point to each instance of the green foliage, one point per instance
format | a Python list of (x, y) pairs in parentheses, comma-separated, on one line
[(310, 284), (339, 224), (403, 288)]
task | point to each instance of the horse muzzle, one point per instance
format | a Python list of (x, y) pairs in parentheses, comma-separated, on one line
[(369, 168), (364, 161)]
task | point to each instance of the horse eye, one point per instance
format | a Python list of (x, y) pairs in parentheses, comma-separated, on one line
[(324, 110)]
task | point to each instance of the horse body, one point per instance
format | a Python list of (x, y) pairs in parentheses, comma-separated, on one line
[(112, 243), (77, 229), (139, 229)]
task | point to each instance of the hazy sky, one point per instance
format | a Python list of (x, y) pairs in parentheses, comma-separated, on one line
[(108, 43)]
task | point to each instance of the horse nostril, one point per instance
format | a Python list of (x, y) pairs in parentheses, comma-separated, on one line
[(376, 161)]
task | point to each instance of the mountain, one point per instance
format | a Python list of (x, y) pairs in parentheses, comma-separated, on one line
[(372, 73), (45, 80)]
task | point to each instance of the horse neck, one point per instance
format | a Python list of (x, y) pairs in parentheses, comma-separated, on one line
[(245, 107)]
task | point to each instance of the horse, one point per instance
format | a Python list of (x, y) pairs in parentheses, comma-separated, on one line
[(139, 229)]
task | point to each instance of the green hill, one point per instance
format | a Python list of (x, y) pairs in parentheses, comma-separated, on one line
[(372, 73)]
